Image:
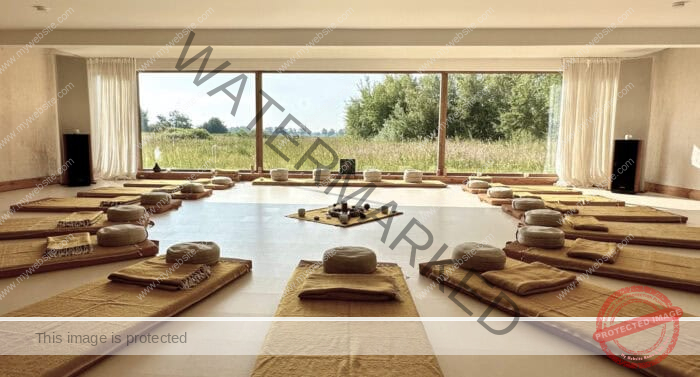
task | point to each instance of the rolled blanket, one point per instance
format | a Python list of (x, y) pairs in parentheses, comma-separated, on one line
[(200, 252), (68, 245), (531, 278), (372, 175), (279, 175), (543, 217), (593, 250), (79, 219), (527, 204), (478, 257), (158, 273), (121, 235), (500, 192), (413, 176), (221, 181), (154, 198), (192, 188), (541, 236), (585, 223), (349, 287), (349, 260), (168, 189), (478, 184), (125, 213)]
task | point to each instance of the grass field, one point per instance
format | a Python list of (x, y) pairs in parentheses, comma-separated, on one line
[(238, 152)]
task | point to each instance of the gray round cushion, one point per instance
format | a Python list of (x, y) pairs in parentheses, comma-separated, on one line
[(372, 175), (541, 236), (125, 213), (153, 198), (279, 175), (121, 235), (477, 184), (199, 252), (526, 204), (500, 192), (478, 257), (349, 260), (221, 181), (192, 188), (543, 217)]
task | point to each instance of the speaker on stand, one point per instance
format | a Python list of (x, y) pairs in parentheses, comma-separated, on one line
[(626, 166), (77, 158)]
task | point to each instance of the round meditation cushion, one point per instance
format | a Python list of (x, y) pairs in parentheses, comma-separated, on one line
[(153, 198), (413, 176), (543, 217), (372, 175), (198, 252), (541, 236), (221, 181), (321, 174), (192, 188), (279, 175), (121, 235), (500, 192), (478, 184), (526, 204), (349, 260), (125, 213), (478, 257)]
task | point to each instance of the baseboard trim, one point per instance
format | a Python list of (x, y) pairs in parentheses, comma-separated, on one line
[(26, 183), (680, 192)]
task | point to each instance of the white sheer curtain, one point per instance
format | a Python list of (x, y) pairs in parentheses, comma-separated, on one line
[(113, 114), (589, 100)]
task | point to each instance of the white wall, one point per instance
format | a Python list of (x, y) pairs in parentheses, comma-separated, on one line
[(27, 84), (674, 126)]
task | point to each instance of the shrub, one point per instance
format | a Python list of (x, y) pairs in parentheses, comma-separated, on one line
[(186, 133)]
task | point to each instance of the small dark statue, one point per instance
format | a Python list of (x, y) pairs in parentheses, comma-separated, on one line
[(344, 212)]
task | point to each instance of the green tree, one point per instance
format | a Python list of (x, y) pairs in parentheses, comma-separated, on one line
[(175, 119), (215, 126), (144, 121)]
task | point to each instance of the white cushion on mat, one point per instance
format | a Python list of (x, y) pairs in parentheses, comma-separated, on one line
[(478, 257), (500, 192), (279, 175), (543, 217), (192, 188), (372, 175), (526, 204), (125, 213), (349, 260), (221, 180), (541, 236), (153, 198), (121, 235), (477, 184), (198, 252)]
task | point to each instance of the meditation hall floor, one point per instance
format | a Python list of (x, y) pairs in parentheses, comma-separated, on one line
[(249, 222)]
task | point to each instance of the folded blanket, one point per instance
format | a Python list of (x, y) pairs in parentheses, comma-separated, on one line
[(168, 189), (79, 219), (119, 200), (532, 278), (563, 208), (585, 223), (156, 272), (349, 287), (594, 250), (67, 245)]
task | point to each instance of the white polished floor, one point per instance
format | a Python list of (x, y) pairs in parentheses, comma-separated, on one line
[(249, 222)]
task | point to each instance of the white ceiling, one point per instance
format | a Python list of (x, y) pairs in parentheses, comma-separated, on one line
[(232, 14)]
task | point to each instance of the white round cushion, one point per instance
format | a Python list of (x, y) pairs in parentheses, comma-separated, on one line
[(500, 192), (125, 213), (543, 217), (372, 175), (121, 235), (413, 176), (192, 188), (349, 260), (153, 198), (221, 181), (279, 175), (526, 204), (477, 184), (199, 252), (321, 174), (541, 236), (478, 257)]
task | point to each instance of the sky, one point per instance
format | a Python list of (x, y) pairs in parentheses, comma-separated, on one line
[(316, 100)]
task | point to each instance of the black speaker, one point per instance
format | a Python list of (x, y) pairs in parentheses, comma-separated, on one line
[(626, 166), (77, 160), (347, 166)]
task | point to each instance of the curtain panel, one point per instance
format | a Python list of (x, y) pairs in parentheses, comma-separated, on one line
[(589, 102), (113, 117)]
